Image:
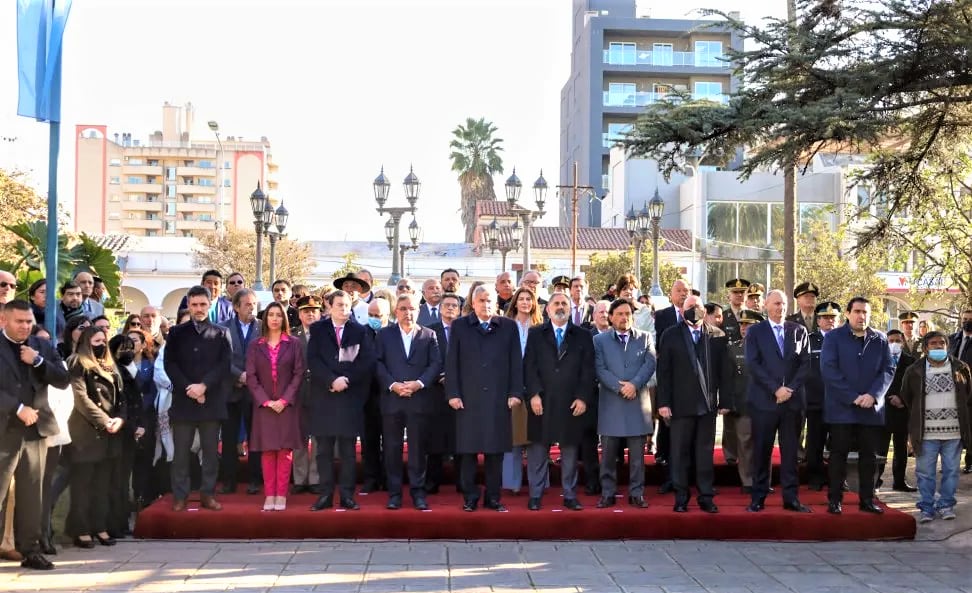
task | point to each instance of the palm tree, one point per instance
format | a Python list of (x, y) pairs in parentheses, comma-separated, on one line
[(475, 155)]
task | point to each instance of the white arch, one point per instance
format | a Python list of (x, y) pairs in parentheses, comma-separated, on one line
[(133, 299), (170, 304)]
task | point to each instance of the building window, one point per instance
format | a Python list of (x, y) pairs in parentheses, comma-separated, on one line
[(114, 215), (133, 179), (707, 54), (170, 226), (615, 134), (170, 191), (662, 54), (622, 94), (151, 216), (206, 164), (134, 161), (708, 90), (226, 183), (170, 173), (170, 209), (153, 163), (114, 198), (625, 54), (226, 165), (114, 163), (205, 217), (114, 180), (151, 233), (205, 182)]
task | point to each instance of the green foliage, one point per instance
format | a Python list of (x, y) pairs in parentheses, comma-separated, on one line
[(19, 202), (605, 268), (475, 156), (350, 266), (235, 251)]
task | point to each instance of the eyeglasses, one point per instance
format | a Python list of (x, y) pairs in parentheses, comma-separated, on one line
[(135, 324), (5, 284), (235, 282)]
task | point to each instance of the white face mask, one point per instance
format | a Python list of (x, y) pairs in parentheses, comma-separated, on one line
[(895, 348)]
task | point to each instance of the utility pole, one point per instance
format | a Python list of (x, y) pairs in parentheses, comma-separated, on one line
[(576, 192)]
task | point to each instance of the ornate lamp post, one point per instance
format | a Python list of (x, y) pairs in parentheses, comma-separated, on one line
[(495, 237), (382, 187), (656, 208), (258, 204), (280, 217), (526, 215), (637, 224)]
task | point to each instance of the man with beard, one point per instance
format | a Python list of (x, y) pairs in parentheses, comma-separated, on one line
[(450, 284)]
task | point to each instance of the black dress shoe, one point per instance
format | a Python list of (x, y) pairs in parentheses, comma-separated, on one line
[(680, 507), (661, 460), (834, 507), (904, 488), (605, 502), (37, 562), (469, 506), (878, 483), (106, 541), (47, 547), (533, 504), (323, 502), (315, 489), (771, 490), (394, 503), (755, 507), (228, 489), (797, 507), (253, 489), (732, 461), (708, 506), (845, 486), (495, 505), (868, 506), (420, 504), (666, 487), (84, 543), (573, 504), (638, 501), (592, 490), (349, 504)]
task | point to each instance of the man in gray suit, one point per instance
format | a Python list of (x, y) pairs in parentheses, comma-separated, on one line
[(90, 306), (432, 297), (624, 360)]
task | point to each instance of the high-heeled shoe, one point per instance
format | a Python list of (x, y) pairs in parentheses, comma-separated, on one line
[(269, 502), (84, 543), (105, 541), (280, 503)]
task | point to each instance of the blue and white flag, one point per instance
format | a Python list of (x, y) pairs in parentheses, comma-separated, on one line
[(40, 31)]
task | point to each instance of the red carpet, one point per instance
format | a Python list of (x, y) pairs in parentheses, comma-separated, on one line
[(242, 518)]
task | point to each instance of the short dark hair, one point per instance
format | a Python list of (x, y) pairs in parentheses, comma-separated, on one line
[(120, 343), (857, 299), (99, 318), (69, 285), (620, 302), (710, 308), (243, 292), (181, 313), (576, 279), (334, 294), (198, 291), (36, 286), (451, 295), (447, 270), (17, 305), (240, 274), (208, 273), (280, 281), (932, 335), (38, 329), (895, 332)]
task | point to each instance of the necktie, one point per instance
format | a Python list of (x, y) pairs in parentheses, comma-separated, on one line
[(623, 338), (577, 316), (695, 336), (445, 331), (484, 325), (894, 360), (560, 337), (435, 313), (337, 332), (779, 337)]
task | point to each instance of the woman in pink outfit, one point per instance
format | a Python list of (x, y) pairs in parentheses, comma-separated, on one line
[(274, 373)]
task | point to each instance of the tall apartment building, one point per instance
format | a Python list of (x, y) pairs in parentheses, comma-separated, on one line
[(622, 61), (178, 183)]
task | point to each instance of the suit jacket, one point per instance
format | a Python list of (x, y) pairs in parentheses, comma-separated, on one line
[(587, 314), (14, 390), (92, 308), (273, 431), (423, 363), (559, 376), (425, 318), (730, 324), (769, 370), (239, 344), (193, 356), (634, 362), (955, 344), (441, 433), (689, 384), (97, 399), (851, 366), (339, 413), (813, 387), (893, 416), (484, 368), (664, 319)]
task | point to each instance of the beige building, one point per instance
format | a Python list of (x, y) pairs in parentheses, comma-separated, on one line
[(179, 182)]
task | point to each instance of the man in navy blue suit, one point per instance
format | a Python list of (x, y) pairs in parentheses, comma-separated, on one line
[(778, 358), (408, 367)]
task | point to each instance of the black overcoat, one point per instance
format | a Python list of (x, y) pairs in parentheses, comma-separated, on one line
[(339, 414)]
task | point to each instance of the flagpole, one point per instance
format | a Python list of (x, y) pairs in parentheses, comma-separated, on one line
[(50, 258)]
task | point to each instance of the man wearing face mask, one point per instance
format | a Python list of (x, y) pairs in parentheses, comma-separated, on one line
[(372, 458), (692, 366), (895, 418), (960, 346)]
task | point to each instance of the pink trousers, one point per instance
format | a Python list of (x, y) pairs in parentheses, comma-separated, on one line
[(276, 471)]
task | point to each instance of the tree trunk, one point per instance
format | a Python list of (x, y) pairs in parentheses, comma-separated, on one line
[(789, 196), (473, 188)]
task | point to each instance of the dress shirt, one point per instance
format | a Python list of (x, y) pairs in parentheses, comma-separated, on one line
[(407, 343), (524, 330)]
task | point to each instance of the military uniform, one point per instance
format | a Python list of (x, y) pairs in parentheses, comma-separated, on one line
[(913, 346), (730, 323), (809, 321), (814, 390), (739, 417)]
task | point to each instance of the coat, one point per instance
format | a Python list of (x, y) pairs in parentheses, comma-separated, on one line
[(197, 357), (425, 318), (895, 417), (734, 393), (331, 413), (955, 344), (664, 319), (769, 370), (97, 399), (273, 431), (304, 395), (851, 368), (798, 318), (14, 390), (813, 387), (635, 362), (687, 385), (423, 363), (441, 432), (236, 392), (558, 376), (913, 395), (484, 369)]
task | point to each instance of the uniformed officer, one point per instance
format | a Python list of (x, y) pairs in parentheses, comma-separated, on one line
[(912, 342), (806, 295), (827, 315), (754, 297), (738, 416), (737, 302), (560, 284)]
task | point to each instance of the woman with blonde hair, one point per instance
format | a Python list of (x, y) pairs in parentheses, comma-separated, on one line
[(95, 426), (525, 311)]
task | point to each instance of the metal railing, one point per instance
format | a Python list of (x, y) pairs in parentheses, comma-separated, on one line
[(641, 99), (666, 59)]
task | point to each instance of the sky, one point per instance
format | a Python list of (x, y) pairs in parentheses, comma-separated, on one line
[(340, 88)]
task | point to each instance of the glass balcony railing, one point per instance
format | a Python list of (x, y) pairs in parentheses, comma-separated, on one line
[(641, 99), (667, 59)]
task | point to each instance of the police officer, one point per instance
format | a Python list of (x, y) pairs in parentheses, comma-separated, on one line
[(737, 302), (806, 299), (754, 297), (912, 342), (826, 314), (738, 415)]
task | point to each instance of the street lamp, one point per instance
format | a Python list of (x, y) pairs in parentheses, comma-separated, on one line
[(656, 208), (495, 237), (526, 215), (636, 224), (220, 225), (411, 186), (258, 204), (280, 217)]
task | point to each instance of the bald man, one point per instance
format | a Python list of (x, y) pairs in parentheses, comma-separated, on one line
[(91, 307)]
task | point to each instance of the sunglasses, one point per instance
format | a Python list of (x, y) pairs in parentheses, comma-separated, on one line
[(5, 284), (135, 324), (234, 282)]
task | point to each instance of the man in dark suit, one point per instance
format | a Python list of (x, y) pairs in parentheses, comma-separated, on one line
[(243, 329), (342, 361), (29, 365), (692, 366), (197, 361), (282, 292), (408, 367), (778, 358), (431, 297), (581, 313), (960, 346), (484, 380), (895, 418), (559, 368), (806, 295), (441, 432), (664, 319)]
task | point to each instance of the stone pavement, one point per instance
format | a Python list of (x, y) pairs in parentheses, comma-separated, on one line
[(473, 567)]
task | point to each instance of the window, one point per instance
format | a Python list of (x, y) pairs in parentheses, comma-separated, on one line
[(708, 90), (170, 209), (151, 233), (170, 173), (151, 216), (205, 217), (622, 93), (622, 53), (170, 226), (707, 54), (114, 215), (722, 221), (135, 161), (226, 183), (170, 191), (114, 180), (814, 214), (615, 133), (662, 54), (134, 179), (206, 164), (114, 198), (206, 182), (115, 163), (153, 163), (226, 165), (188, 163), (753, 225)]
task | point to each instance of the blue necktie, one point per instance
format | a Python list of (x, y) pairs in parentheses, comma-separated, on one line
[(560, 337), (484, 325), (695, 336), (894, 360), (623, 338), (779, 337)]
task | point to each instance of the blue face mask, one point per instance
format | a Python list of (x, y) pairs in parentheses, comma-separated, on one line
[(937, 355), (374, 323)]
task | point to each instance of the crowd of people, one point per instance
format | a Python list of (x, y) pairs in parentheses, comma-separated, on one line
[(436, 377)]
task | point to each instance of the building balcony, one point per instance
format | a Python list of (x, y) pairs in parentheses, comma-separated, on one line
[(141, 223), (664, 59), (197, 171), (195, 225), (142, 188), (184, 188), (642, 99), (142, 170), (142, 206), (195, 207)]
